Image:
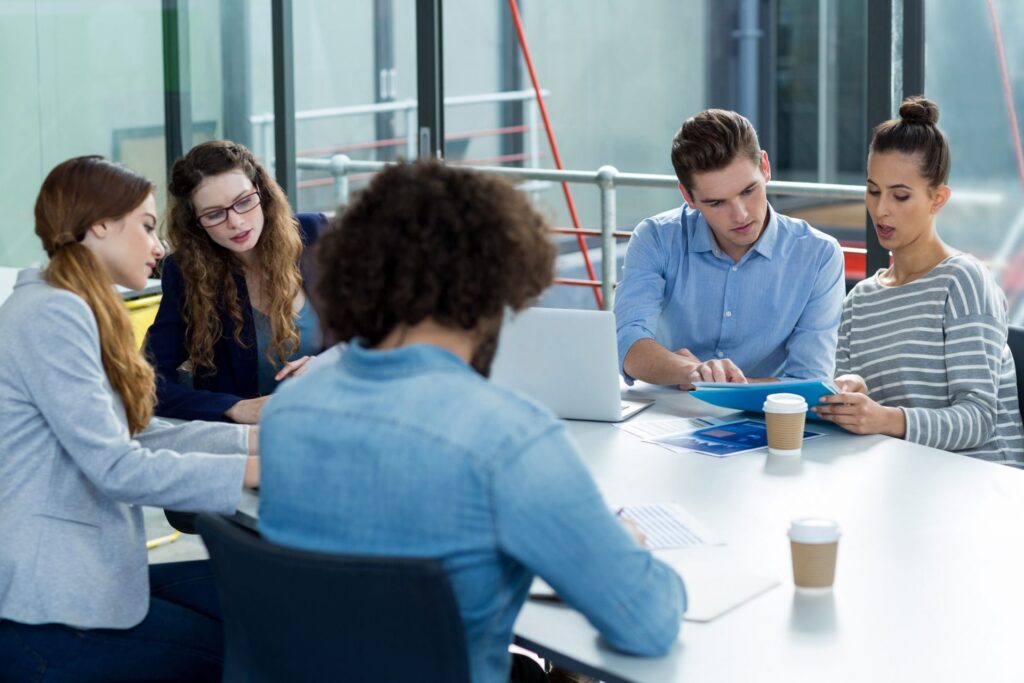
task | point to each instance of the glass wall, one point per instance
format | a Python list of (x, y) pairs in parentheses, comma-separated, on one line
[(618, 77), (980, 92), (230, 72), (78, 78), (355, 88), (819, 95)]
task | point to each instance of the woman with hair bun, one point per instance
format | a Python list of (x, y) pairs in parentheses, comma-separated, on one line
[(80, 455), (922, 344), (234, 315)]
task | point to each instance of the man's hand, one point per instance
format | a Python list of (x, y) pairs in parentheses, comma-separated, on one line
[(633, 530), (718, 370), (715, 370)]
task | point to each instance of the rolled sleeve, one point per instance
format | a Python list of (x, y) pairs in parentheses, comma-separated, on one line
[(811, 347), (640, 297)]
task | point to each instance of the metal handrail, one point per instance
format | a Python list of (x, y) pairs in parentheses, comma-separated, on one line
[(264, 123), (608, 179)]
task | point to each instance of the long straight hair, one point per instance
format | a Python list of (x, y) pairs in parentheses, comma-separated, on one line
[(76, 195)]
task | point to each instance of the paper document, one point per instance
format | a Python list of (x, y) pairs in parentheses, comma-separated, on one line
[(652, 428), (721, 440), (714, 586), (668, 525)]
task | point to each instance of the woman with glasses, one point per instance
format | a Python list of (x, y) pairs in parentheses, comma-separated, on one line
[(234, 319)]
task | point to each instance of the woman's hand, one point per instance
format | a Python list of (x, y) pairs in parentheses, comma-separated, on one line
[(247, 411), (251, 479), (857, 413), (851, 384), (293, 368)]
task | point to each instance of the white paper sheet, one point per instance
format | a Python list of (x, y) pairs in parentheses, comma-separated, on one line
[(668, 525)]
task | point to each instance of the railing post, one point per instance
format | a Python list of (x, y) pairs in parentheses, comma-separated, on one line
[(339, 169), (267, 136), (410, 133), (533, 123), (609, 259)]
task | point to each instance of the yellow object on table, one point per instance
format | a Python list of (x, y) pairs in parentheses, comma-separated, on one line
[(142, 312)]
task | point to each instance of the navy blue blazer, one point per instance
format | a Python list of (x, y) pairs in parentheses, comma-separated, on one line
[(234, 376)]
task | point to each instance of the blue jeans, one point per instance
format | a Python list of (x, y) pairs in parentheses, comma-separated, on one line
[(181, 638)]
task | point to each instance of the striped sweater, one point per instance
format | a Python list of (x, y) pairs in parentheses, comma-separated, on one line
[(936, 348)]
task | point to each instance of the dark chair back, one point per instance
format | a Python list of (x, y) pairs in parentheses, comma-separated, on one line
[(293, 615), (1015, 340)]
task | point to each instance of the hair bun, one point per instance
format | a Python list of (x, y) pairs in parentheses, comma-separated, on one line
[(917, 109)]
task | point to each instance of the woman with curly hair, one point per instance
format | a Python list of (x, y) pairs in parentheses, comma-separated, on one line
[(234, 315), (80, 456)]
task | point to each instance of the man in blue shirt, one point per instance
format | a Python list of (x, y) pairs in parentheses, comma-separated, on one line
[(724, 288), (401, 447)]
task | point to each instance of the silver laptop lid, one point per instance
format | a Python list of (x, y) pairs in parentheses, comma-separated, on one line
[(565, 359)]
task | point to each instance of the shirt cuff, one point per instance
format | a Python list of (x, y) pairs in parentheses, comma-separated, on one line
[(628, 337)]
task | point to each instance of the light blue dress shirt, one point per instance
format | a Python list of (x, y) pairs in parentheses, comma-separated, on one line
[(775, 313), (409, 452)]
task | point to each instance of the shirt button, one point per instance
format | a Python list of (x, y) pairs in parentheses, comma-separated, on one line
[(735, 268), (728, 314), (720, 354)]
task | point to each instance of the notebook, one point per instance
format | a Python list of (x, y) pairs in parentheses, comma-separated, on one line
[(566, 359), (751, 397)]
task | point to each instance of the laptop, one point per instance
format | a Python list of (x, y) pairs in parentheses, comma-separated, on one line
[(565, 359)]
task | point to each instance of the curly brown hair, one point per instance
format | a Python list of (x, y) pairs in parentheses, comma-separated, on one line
[(209, 270), (426, 240)]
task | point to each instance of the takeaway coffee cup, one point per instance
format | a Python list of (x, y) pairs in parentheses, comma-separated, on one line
[(785, 415), (814, 544)]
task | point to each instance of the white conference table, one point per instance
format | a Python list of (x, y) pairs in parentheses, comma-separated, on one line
[(930, 577)]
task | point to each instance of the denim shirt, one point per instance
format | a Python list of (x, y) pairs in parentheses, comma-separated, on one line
[(775, 313), (409, 452)]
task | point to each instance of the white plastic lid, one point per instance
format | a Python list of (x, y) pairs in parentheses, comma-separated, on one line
[(784, 403), (814, 530)]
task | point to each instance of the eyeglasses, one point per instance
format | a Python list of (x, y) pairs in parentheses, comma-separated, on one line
[(211, 219)]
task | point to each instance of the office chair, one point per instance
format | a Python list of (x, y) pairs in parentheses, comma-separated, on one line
[(185, 522), (1015, 340), (295, 615)]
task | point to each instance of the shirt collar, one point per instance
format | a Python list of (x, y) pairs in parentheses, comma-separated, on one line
[(765, 245), (401, 362), (703, 240)]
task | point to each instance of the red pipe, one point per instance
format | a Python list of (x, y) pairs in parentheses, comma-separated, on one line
[(1007, 90), (514, 7)]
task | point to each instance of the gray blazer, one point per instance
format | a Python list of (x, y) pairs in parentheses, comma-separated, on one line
[(72, 543)]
